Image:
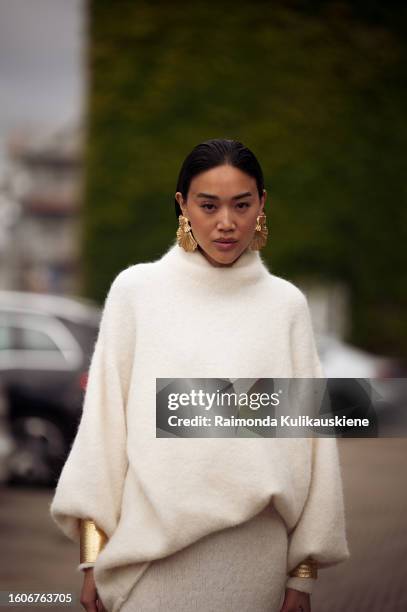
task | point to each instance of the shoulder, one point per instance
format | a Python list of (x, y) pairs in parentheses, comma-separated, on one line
[(135, 275), (134, 282), (124, 286), (287, 292), (143, 273), (131, 275)]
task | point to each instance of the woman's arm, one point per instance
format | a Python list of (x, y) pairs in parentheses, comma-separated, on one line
[(91, 482), (92, 541), (320, 533), (303, 576)]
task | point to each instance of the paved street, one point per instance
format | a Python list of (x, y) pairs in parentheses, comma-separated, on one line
[(374, 579), (36, 556)]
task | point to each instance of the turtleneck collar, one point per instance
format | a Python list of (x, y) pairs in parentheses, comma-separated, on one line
[(247, 269)]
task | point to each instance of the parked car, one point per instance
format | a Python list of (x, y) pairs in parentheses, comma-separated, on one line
[(360, 384), (342, 360), (6, 440), (46, 342)]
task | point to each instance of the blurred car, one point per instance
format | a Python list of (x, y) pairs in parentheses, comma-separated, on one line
[(342, 360), (6, 440), (46, 342), (360, 384)]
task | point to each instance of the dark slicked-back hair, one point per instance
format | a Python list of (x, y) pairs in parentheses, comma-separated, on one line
[(217, 152)]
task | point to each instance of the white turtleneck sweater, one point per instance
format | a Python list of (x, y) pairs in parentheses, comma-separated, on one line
[(182, 317)]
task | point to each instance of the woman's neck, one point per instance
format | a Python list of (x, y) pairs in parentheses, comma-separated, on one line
[(194, 266)]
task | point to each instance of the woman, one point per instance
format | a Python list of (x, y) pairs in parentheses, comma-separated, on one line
[(200, 524)]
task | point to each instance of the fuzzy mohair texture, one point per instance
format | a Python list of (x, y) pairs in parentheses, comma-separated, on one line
[(182, 317)]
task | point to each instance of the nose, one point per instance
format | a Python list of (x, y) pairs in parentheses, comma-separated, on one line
[(225, 221)]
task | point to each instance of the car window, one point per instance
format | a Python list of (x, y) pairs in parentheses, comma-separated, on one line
[(32, 339), (6, 338)]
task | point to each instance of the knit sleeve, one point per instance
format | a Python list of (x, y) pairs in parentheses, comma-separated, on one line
[(83, 566), (320, 532), (91, 481), (304, 355)]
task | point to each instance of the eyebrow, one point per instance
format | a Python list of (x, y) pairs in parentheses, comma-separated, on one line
[(215, 197)]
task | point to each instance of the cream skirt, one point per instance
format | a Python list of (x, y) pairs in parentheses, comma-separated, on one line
[(239, 568)]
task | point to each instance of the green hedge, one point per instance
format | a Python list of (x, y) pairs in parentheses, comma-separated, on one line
[(319, 96)]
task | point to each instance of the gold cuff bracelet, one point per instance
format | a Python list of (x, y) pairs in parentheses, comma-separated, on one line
[(92, 540), (307, 569)]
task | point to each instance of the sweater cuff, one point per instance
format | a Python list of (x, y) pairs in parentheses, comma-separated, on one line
[(83, 566), (306, 585)]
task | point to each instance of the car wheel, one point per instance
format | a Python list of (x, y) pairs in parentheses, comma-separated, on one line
[(39, 452)]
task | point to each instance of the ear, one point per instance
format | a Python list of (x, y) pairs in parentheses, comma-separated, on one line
[(263, 201), (180, 200)]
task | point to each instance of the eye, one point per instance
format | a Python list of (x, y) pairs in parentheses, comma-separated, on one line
[(208, 206), (243, 205)]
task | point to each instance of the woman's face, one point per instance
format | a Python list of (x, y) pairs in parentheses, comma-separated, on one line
[(222, 205)]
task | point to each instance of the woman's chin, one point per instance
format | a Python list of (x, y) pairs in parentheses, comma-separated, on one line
[(222, 256)]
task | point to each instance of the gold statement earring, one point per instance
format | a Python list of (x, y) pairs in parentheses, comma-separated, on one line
[(185, 238), (260, 235)]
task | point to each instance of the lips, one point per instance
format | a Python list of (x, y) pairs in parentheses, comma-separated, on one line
[(225, 241)]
